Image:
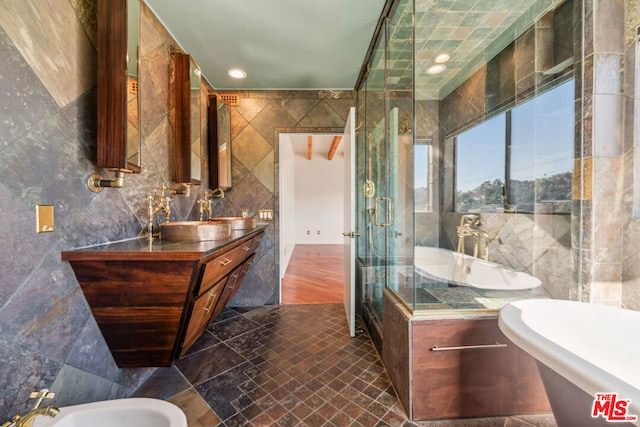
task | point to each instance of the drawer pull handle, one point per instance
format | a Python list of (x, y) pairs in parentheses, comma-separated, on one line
[(212, 297), (234, 279), (246, 248), (466, 347), (225, 262)]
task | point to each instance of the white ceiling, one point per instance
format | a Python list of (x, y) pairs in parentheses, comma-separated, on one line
[(281, 44)]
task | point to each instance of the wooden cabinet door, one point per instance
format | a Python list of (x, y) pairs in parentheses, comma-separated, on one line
[(233, 284), (480, 373), (201, 314)]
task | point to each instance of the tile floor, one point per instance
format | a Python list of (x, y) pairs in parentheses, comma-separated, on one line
[(290, 365)]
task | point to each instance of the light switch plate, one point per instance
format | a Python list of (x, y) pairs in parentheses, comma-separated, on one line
[(44, 218)]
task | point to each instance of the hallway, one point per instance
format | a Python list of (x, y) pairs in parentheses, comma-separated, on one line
[(315, 274), (290, 365)]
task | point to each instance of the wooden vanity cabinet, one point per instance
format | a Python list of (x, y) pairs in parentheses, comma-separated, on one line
[(152, 305)]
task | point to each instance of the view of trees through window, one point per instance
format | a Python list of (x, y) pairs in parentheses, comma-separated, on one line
[(521, 160), (422, 170)]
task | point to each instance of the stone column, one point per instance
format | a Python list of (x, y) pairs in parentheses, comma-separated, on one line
[(602, 149)]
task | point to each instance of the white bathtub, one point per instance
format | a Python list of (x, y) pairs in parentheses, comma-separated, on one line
[(582, 349), (133, 412), (440, 264)]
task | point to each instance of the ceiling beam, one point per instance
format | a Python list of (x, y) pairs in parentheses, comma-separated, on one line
[(334, 146), (309, 146)]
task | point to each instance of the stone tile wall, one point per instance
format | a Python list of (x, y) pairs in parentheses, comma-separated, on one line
[(255, 128), (631, 158), (601, 247), (48, 338)]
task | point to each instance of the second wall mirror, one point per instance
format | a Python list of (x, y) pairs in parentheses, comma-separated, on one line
[(219, 144), (186, 153)]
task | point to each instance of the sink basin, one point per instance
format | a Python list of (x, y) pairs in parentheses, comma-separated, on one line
[(195, 231), (238, 222)]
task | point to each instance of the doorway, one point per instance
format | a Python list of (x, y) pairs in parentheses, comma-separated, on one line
[(311, 218)]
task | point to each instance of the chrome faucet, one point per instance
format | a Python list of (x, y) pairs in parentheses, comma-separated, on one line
[(27, 419)]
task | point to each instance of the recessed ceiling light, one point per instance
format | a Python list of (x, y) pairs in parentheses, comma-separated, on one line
[(441, 58), (237, 73), (436, 69)]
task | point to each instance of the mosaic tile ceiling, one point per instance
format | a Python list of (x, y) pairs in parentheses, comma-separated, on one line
[(470, 31)]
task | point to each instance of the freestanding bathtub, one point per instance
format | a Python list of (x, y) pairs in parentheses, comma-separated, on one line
[(133, 412), (588, 356), (464, 270)]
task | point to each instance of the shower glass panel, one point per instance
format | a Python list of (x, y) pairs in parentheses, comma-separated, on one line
[(400, 158), (450, 98), (372, 248)]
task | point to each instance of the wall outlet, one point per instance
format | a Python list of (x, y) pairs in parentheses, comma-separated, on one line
[(44, 219)]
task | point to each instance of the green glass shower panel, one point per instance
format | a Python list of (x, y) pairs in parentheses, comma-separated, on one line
[(373, 129), (399, 227)]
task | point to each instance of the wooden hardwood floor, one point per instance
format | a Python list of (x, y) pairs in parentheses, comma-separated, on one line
[(314, 275)]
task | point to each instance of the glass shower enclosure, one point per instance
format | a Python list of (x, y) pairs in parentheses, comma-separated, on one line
[(465, 151)]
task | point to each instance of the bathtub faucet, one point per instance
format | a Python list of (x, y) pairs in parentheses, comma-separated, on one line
[(481, 235), (468, 226), (27, 419)]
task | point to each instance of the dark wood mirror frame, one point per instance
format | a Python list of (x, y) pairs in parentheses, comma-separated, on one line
[(212, 143), (215, 128), (181, 149), (112, 86)]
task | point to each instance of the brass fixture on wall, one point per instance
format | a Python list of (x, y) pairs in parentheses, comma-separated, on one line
[(96, 182)]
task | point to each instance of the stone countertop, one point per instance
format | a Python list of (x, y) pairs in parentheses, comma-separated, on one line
[(142, 248)]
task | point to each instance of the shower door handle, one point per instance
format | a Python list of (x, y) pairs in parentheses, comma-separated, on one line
[(351, 234), (389, 211)]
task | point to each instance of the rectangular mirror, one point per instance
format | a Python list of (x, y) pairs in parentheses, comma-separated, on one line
[(196, 125), (219, 144), (133, 108)]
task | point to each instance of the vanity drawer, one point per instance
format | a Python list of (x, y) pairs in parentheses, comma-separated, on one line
[(220, 266), (203, 308), (255, 242), (232, 285)]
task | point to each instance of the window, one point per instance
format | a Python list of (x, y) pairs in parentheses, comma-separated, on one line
[(520, 161), (541, 152), (480, 160)]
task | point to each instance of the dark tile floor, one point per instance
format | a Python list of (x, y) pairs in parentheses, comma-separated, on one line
[(289, 365)]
